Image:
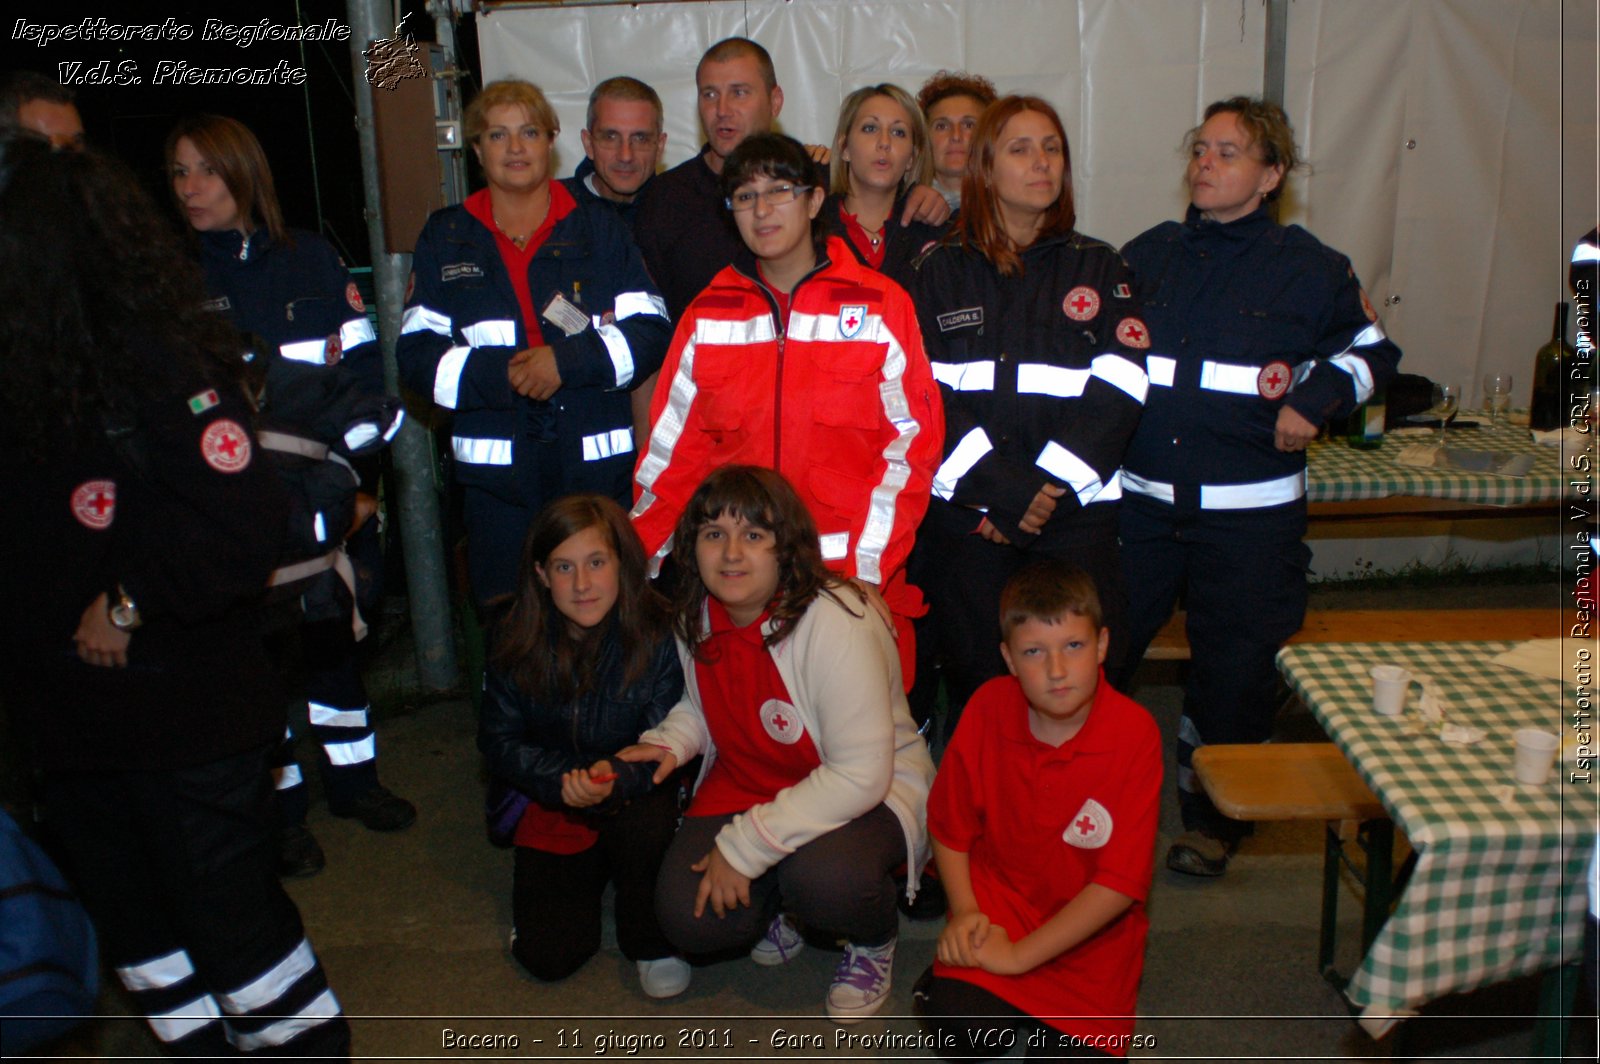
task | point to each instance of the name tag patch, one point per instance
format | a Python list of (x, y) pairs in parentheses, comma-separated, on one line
[(460, 271), (219, 303), (960, 319)]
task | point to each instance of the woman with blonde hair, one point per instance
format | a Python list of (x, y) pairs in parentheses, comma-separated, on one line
[(880, 153), (530, 316)]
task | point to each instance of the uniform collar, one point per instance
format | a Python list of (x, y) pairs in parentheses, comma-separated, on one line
[(720, 623), (1098, 734), (1241, 230)]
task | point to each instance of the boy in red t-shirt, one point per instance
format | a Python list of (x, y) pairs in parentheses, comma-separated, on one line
[(1043, 819)]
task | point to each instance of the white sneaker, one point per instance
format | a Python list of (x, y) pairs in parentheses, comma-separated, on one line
[(861, 982), (664, 978), (780, 944)]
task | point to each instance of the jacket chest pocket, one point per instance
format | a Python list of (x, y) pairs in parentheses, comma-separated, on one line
[(722, 377), (845, 382), (312, 313)]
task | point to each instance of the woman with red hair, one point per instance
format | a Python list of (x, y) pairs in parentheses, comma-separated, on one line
[(1038, 345)]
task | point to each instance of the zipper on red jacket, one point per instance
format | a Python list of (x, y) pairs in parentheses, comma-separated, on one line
[(780, 331)]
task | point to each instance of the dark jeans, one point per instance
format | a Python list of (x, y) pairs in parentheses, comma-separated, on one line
[(340, 721), (555, 898), (971, 1022), (179, 870), (841, 882)]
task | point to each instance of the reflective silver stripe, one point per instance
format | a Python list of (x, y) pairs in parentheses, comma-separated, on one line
[(319, 527), (291, 444), (1160, 369), (966, 454), (965, 376), (668, 429), (1187, 780), (757, 330), (621, 354), (358, 436), (883, 504), (447, 378), (1036, 378), (286, 777), (1360, 372), (288, 574), (419, 317), (355, 332), (1064, 465), (1372, 334), (607, 444), (1251, 496), (185, 1019), (496, 332), (358, 752), (1586, 252), (394, 427), (627, 304), (334, 717), (485, 451), (1122, 373), (835, 545), (271, 984), (312, 351), (321, 1010), (1227, 377), (158, 972), (1189, 733), (1154, 488)]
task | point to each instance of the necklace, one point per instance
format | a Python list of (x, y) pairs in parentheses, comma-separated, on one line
[(520, 242)]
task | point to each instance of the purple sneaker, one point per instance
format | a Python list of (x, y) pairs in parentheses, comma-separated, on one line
[(861, 982)]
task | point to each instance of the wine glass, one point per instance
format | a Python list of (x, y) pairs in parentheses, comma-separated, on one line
[(1446, 401), (1497, 396)]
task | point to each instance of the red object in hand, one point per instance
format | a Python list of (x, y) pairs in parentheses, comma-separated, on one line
[(603, 778)]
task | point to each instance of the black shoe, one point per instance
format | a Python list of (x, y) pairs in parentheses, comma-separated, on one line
[(1195, 853), (298, 853), (380, 809)]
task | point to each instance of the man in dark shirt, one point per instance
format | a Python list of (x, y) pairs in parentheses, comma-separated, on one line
[(622, 142)]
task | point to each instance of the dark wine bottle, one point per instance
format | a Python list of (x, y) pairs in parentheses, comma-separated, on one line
[(1548, 408)]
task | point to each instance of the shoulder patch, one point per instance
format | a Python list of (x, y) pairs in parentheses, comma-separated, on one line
[(352, 295), (225, 446), (203, 401), (966, 317), (1366, 305), (1121, 291), (1132, 332), (94, 504), (1081, 304)]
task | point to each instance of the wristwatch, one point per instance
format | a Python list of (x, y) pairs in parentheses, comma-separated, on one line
[(124, 612)]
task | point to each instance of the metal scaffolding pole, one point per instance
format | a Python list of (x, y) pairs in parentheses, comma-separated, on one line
[(417, 503)]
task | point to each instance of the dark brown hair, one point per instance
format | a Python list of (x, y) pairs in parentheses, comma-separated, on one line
[(1047, 590), (763, 498), (979, 223), (948, 83), (235, 153), (538, 649), (1271, 136)]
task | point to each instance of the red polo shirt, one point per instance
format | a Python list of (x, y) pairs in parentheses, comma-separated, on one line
[(1038, 824), (761, 745)]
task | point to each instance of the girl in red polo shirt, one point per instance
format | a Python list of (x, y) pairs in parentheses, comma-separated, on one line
[(815, 779)]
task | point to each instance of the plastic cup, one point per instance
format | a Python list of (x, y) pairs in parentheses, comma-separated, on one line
[(1536, 755), (1390, 685)]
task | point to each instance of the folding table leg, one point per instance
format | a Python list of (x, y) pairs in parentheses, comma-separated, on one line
[(1378, 841), (1332, 854), (1558, 990)]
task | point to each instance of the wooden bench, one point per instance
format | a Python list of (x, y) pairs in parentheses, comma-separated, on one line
[(1310, 781), (1387, 626)]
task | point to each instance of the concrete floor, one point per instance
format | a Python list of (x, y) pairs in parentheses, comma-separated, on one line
[(412, 929)]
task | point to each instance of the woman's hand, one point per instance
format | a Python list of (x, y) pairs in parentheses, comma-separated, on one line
[(1040, 509), (987, 530), (99, 641), (668, 761), (583, 787), (1293, 431), (533, 373), (962, 938), (925, 204), (366, 506), (723, 885)]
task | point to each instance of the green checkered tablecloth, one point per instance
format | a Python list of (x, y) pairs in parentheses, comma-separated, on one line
[(1500, 885), (1338, 472)]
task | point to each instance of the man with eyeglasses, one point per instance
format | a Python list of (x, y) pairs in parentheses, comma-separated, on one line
[(622, 142)]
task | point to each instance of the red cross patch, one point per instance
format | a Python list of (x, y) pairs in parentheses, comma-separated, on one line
[(225, 446), (1366, 306), (781, 722), (1081, 304), (851, 319), (94, 503), (1089, 828), (1273, 380), (333, 350), (1132, 332), (352, 295)]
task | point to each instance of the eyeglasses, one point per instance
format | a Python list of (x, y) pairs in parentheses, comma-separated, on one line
[(776, 196)]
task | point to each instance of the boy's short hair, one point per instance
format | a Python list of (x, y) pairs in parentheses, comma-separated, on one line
[(1046, 590)]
